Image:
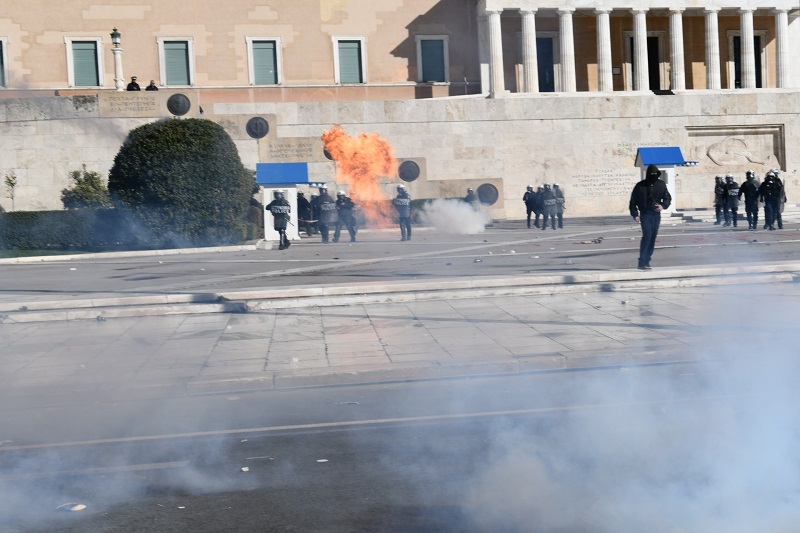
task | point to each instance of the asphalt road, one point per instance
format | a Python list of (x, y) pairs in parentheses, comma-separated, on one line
[(659, 448), (504, 249)]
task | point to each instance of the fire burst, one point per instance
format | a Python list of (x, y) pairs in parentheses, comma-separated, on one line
[(360, 162)]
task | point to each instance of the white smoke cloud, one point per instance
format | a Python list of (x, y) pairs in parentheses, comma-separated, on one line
[(723, 460), (454, 217)]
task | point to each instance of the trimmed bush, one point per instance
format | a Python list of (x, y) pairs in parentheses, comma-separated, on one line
[(88, 191), (183, 183)]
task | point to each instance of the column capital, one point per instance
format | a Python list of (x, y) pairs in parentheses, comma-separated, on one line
[(676, 10), (745, 10), (603, 11), (780, 10), (639, 11), (711, 10), (529, 11), (566, 10), (494, 11)]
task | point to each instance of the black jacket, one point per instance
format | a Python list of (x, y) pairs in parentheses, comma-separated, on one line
[(646, 194)]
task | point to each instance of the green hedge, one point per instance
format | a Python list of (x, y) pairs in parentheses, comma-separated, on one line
[(84, 229)]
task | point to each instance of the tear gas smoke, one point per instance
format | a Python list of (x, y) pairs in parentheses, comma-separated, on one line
[(454, 217), (360, 162), (723, 459)]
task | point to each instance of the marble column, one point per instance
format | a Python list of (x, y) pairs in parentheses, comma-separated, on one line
[(530, 64), (677, 70), (782, 48), (605, 81), (712, 50), (748, 56), (567, 50), (496, 68), (641, 69)]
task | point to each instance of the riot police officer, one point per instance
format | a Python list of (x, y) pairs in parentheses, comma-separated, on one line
[(280, 209), (549, 206), (731, 206), (538, 208), (472, 199), (529, 198), (327, 212), (560, 204), (304, 213), (719, 198), (344, 209), (749, 190), (770, 194), (782, 187), (402, 203)]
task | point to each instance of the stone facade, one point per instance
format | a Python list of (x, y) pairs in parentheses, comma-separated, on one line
[(585, 142)]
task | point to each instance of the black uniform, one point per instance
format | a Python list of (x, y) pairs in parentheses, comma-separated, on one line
[(538, 207), (327, 213), (304, 215), (749, 190), (648, 198), (731, 201), (778, 213), (549, 206), (402, 203), (530, 203), (719, 198), (344, 208), (472, 199), (770, 193), (280, 209), (560, 201)]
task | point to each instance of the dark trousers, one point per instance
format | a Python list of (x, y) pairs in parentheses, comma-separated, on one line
[(560, 220), (552, 220), (751, 209), (718, 212), (529, 216), (348, 221), (650, 222), (323, 230), (771, 210), (405, 228), (536, 218), (284, 240)]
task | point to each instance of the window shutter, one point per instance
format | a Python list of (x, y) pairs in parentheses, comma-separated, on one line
[(84, 61), (264, 63), (350, 62), (432, 60), (176, 62)]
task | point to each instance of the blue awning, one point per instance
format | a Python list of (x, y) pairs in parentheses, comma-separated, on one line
[(667, 156), (268, 174)]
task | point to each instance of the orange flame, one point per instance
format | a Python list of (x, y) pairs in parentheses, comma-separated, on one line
[(360, 162)]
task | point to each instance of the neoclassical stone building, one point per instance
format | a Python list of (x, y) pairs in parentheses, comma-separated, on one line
[(469, 93)]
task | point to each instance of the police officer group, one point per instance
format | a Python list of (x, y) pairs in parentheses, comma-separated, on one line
[(322, 211), (728, 193), (545, 202)]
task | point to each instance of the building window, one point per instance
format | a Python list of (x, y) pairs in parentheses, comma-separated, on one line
[(84, 61), (264, 60), (433, 62), (735, 55), (3, 62), (176, 56), (349, 60)]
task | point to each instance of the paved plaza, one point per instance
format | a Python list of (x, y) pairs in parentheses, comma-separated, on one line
[(310, 320)]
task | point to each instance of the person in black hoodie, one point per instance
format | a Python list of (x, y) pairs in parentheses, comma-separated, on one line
[(648, 198)]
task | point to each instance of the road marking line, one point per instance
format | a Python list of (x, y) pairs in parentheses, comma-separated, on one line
[(349, 423), (97, 470)]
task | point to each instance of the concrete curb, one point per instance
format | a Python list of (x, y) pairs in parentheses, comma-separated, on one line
[(395, 292)]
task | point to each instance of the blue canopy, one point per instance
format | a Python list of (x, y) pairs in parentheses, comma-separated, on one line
[(268, 174), (666, 156)]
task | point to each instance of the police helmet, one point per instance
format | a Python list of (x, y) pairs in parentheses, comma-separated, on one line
[(530, 187), (729, 177), (339, 193), (547, 186), (277, 195), (718, 179), (750, 174), (555, 185), (401, 188), (470, 189), (771, 174), (323, 189)]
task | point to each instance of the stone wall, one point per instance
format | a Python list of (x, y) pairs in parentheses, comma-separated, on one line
[(585, 142)]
